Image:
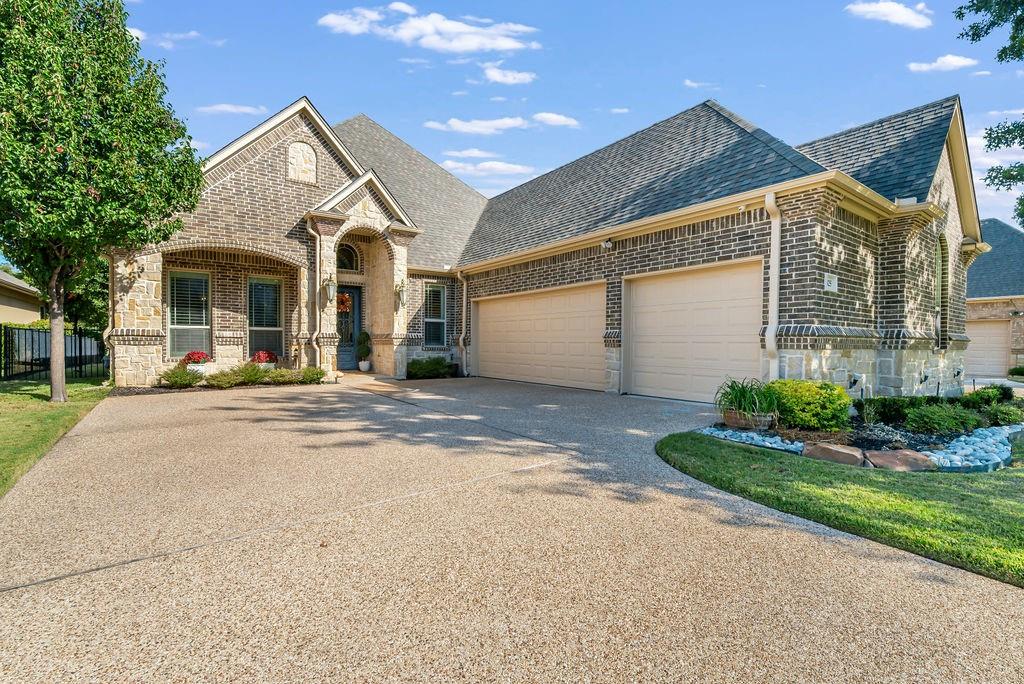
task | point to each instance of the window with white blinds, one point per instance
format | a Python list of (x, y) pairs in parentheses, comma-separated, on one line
[(435, 315), (265, 330), (189, 298)]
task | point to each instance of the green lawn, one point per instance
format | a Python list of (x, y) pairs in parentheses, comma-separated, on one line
[(30, 424), (971, 521)]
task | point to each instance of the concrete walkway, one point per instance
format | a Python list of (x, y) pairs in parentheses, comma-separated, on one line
[(449, 530)]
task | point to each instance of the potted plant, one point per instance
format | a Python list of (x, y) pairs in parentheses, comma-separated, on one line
[(196, 361), (748, 404), (363, 351), (266, 359)]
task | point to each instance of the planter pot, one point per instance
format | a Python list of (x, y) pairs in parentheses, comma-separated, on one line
[(198, 368), (364, 366), (269, 365), (752, 421)]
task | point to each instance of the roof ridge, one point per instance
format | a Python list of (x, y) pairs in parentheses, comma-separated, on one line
[(789, 153), (410, 147), (878, 121)]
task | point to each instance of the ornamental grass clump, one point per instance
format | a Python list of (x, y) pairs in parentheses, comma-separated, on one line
[(284, 376), (311, 375), (251, 373), (811, 405), (1004, 414), (180, 377), (224, 379), (748, 397)]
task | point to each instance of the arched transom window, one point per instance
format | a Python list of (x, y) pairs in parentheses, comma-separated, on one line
[(348, 258), (301, 162)]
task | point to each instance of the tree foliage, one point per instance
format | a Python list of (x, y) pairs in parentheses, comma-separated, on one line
[(92, 157), (986, 16)]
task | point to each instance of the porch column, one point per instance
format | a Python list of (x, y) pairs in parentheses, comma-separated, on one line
[(391, 343), (325, 310), (136, 339)]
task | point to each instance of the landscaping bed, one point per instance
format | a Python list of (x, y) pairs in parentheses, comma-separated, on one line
[(970, 433)]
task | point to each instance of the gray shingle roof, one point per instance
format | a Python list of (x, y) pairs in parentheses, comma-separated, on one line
[(445, 208), (17, 283), (701, 154), (1000, 272), (895, 156)]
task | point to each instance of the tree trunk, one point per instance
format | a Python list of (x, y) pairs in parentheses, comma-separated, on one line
[(58, 389)]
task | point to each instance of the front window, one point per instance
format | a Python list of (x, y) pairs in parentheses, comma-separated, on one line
[(348, 258), (189, 312), (265, 330), (434, 315)]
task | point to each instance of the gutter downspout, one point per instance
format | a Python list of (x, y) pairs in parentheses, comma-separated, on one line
[(316, 291), (771, 344), (462, 333)]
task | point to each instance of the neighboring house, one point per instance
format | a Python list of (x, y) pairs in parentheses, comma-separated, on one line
[(698, 248), (995, 303), (19, 301)]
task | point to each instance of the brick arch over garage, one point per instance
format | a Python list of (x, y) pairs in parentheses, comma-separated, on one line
[(234, 246)]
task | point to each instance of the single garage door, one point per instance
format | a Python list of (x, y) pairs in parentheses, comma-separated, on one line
[(688, 331), (988, 353), (554, 337)]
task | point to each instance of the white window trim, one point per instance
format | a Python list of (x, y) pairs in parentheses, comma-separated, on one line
[(358, 259), (170, 305), (280, 313), (443, 320)]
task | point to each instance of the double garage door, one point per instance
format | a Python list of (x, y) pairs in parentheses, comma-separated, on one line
[(988, 352), (684, 333)]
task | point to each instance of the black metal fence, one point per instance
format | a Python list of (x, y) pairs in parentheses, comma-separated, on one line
[(25, 354)]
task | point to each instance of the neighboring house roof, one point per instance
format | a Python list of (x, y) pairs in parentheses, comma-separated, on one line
[(698, 155), (441, 205), (895, 156), (7, 280), (1000, 272)]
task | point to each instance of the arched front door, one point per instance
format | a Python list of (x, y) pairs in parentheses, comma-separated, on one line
[(350, 302)]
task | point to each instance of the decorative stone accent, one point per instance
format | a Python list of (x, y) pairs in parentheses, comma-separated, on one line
[(301, 162), (755, 439), (904, 460), (836, 453), (983, 450)]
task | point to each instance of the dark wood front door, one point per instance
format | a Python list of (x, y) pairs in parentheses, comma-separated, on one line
[(350, 302)]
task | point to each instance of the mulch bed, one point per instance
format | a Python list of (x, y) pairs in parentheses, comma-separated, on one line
[(875, 436)]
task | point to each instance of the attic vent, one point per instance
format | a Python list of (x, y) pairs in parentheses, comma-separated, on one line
[(301, 163)]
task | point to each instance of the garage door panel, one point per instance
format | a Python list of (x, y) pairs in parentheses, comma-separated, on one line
[(554, 338), (688, 331), (988, 352)]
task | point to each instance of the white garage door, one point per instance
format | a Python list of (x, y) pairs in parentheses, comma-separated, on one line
[(988, 353), (688, 331), (554, 337)]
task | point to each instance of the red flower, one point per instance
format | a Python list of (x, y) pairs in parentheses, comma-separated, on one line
[(196, 357), (264, 357)]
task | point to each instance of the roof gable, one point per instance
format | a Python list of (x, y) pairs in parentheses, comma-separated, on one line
[(445, 208), (369, 180), (895, 156), (698, 155), (998, 273)]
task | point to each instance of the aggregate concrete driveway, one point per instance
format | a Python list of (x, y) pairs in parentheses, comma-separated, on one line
[(449, 530)]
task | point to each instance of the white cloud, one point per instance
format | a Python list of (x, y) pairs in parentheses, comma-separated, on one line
[(471, 153), (433, 31), (1006, 112), (413, 60), (200, 145), (696, 84), (487, 168), (498, 98), (170, 40), (893, 13), (476, 20), (139, 34), (944, 63), (354, 22), (225, 108), (460, 93), (981, 73), (459, 60), (479, 126), (619, 110), (991, 202), (403, 7), (552, 119), (494, 74)]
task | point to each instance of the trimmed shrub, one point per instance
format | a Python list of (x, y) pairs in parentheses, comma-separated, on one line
[(811, 405), (1004, 414), (251, 373), (1017, 370), (180, 377), (363, 348), (1006, 394), (940, 419), (284, 376), (311, 375), (979, 399), (888, 410), (224, 379), (430, 367)]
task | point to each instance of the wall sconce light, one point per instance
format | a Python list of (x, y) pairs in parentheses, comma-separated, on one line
[(331, 287), (958, 373), (399, 295), (854, 379), (607, 244), (924, 378)]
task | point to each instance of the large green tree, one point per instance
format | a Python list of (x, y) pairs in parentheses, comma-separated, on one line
[(92, 157), (984, 17)]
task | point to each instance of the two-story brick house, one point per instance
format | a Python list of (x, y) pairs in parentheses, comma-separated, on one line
[(698, 248)]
